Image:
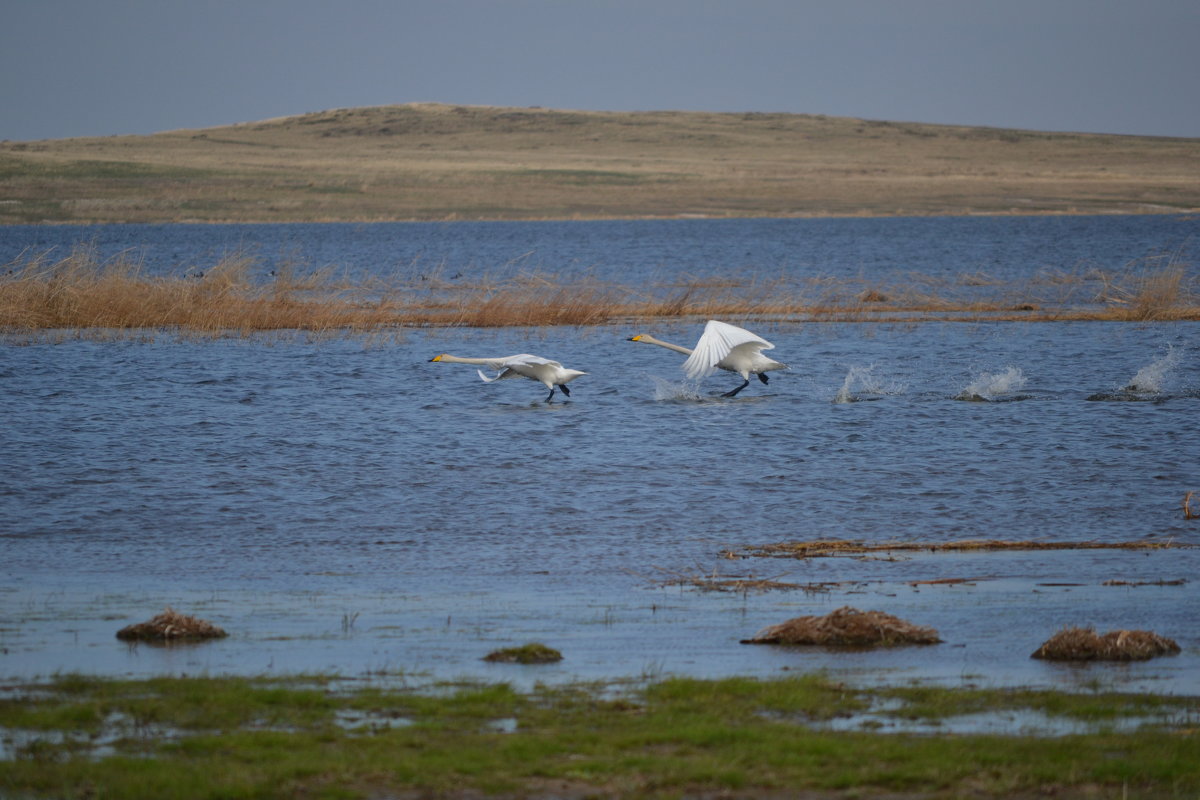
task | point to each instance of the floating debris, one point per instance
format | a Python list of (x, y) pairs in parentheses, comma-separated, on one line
[(1164, 582), (1084, 644), (532, 653), (846, 626), (171, 626), (830, 548), (717, 582)]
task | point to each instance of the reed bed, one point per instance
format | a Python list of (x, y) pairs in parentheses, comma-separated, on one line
[(834, 548), (236, 296)]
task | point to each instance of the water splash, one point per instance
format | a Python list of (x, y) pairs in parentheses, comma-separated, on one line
[(989, 387), (1151, 378), (862, 381), (674, 391)]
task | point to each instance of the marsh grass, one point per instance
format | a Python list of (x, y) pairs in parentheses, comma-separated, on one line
[(532, 653), (834, 548), (99, 298), (739, 737)]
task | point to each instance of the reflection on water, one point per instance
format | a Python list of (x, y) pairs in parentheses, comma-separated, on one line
[(281, 487)]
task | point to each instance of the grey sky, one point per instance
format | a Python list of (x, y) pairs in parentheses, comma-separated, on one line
[(100, 67)]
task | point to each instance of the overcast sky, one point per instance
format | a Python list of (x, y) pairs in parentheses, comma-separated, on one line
[(100, 67)]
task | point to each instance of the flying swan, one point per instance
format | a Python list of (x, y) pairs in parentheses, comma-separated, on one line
[(723, 346), (536, 368)]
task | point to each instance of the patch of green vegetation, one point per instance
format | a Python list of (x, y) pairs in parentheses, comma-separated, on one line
[(932, 703), (258, 737), (532, 653), (584, 177), (95, 170)]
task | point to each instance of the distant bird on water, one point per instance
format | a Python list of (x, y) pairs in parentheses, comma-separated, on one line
[(723, 346), (550, 373)]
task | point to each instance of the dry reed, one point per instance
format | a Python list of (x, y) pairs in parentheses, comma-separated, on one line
[(83, 293), (830, 548), (171, 626), (742, 584), (1084, 644), (846, 627)]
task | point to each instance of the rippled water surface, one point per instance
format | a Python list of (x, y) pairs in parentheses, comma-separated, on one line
[(347, 505)]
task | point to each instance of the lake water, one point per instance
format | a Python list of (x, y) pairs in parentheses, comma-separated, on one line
[(348, 506)]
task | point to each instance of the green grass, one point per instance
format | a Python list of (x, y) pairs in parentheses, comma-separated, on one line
[(258, 737)]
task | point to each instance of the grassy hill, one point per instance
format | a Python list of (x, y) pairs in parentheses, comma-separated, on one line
[(435, 162)]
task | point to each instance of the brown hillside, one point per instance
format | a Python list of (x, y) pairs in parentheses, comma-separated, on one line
[(430, 161)]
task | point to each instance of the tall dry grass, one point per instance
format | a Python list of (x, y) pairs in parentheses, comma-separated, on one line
[(233, 297)]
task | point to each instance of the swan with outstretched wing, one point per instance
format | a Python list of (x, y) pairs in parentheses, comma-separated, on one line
[(723, 346), (551, 374)]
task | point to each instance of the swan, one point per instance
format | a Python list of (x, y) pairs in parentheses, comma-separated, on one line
[(524, 365), (723, 346)]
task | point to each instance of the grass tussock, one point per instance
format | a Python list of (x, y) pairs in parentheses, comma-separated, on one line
[(171, 626), (236, 296), (532, 653), (1084, 644), (846, 627), (833, 548)]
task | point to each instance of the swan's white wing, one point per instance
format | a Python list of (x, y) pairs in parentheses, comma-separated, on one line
[(507, 372), (522, 366), (718, 341), (525, 359)]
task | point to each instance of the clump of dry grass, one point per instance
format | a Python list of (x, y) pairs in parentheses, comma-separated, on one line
[(1155, 289), (532, 653), (1084, 644), (171, 626), (846, 627)]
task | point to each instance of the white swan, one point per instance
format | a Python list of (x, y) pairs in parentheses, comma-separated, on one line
[(723, 346), (524, 365)]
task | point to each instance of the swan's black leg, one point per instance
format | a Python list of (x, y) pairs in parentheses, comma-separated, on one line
[(738, 389), (762, 376), (550, 395), (565, 390)]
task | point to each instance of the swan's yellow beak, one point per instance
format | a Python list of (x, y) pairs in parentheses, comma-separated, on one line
[(637, 338), (437, 358)]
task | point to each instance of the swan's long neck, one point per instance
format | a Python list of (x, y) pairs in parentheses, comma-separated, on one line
[(458, 360), (651, 340)]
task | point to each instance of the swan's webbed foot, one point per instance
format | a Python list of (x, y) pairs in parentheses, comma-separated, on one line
[(547, 400), (733, 393), (565, 390), (762, 376)]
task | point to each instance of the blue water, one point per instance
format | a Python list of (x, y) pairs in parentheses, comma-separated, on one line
[(1006, 248), (347, 505)]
